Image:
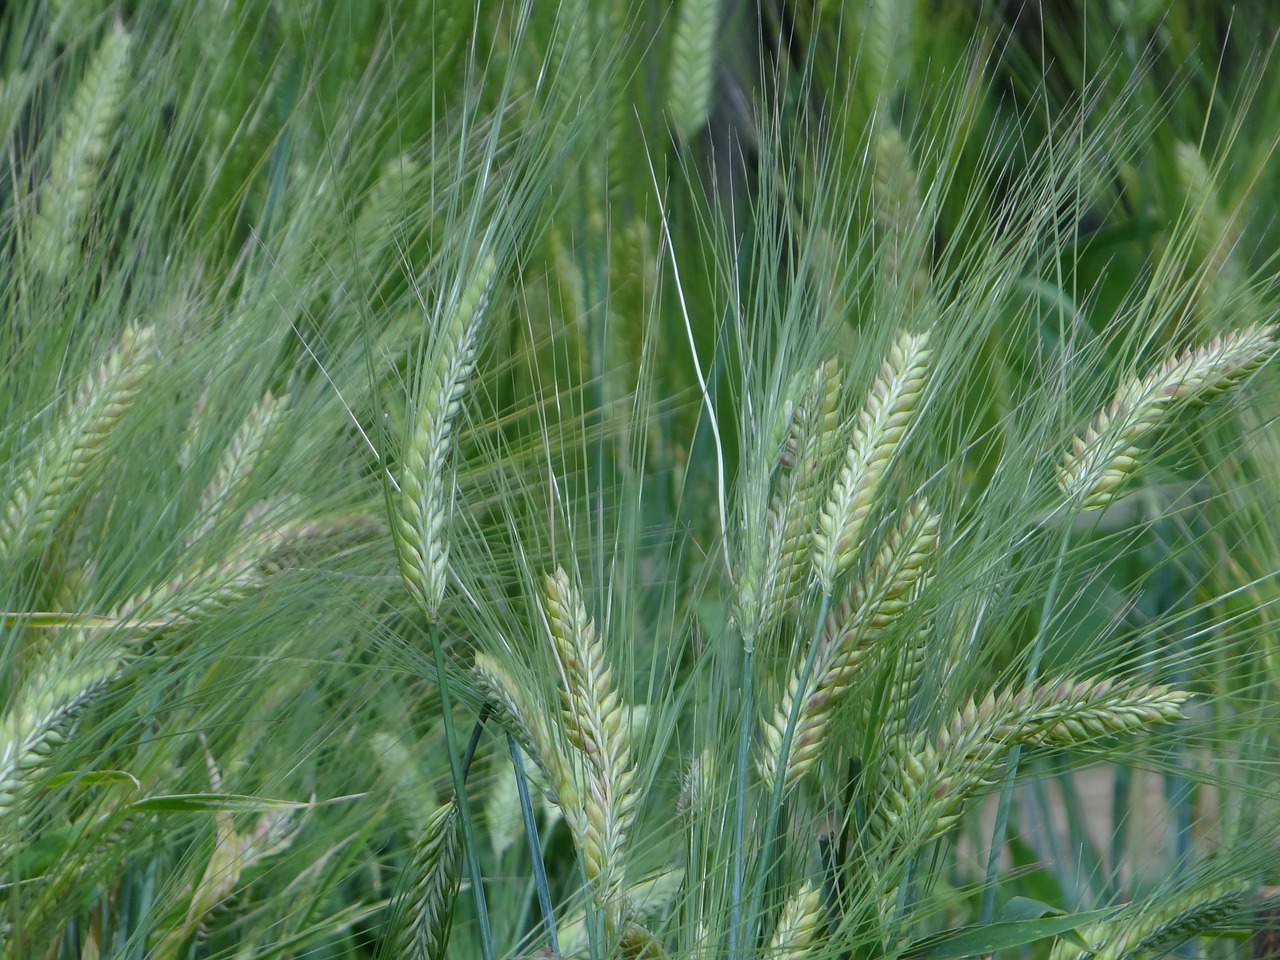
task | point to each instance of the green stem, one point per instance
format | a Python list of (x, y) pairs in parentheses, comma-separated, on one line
[(535, 847), (740, 801), (460, 794)]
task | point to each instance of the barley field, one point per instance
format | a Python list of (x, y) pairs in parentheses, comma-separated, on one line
[(791, 480)]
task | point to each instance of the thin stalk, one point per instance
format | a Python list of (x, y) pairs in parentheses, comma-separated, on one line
[(470, 850), (1011, 770), (741, 759), (474, 742), (773, 819), (535, 847)]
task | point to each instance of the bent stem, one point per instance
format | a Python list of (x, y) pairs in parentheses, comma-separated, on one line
[(458, 776)]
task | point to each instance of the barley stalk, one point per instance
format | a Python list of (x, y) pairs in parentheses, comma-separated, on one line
[(900, 571), (593, 721), (1101, 458), (205, 589), (436, 876), (78, 157), (57, 480), (879, 431), (427, 477), (1215, 235)]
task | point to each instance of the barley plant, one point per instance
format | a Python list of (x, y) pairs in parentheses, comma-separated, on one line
[(639, 479)]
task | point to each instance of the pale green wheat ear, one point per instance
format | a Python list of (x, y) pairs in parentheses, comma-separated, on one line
[(1157, 926), (928, 780), (427, 908), (250, 444), (807, 448), (78, 155), (1110, 450), (692, 68), (427, 474), (899, 212), (1215, 234), (901, 569), (40, 718), (799, 924), (510, 703), (57, 477), (881, 426), (270, 541), (593, 721)]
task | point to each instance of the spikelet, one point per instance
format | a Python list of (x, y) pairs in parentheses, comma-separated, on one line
[(1104, 456), (880, 428), (807, 448), (901, 570), (692, 72), (429, 903), (57, 479), (593, 722), (250, 444), (427, 478), (798, 924), (929, 779), (1157, 927), (78, 155)]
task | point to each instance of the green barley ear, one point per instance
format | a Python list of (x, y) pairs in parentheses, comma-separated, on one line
[(592, 715), (1104, 456), (900, 571), (899, 212), (807, 448), (57, 479), (692, 70), (513, 711), (1156, 927), (78, 156), (38, 720), (270, 541), (798, 925), (428, 905), (251, 443), (427, 475), (1215, 234), (928, 780), (881, 426)]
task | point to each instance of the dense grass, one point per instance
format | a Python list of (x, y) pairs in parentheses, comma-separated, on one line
[(638, 479)]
